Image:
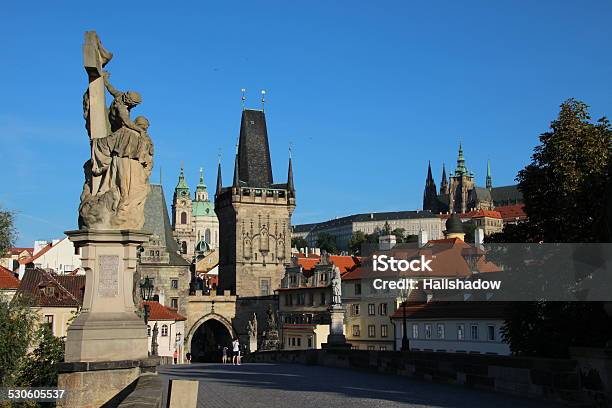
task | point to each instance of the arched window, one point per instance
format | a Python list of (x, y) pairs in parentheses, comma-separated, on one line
[(183, 217), (164, 330), (184, 247), (207, 236)]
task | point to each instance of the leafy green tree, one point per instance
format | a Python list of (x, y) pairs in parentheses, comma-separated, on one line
[(357, 240), (7, 230), (565, 191), (17, 325), (298, 243), (327, 242), (40, 368), (400, 235)]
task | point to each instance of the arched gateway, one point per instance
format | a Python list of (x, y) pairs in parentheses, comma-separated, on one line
[(207, 338), (209, 325)]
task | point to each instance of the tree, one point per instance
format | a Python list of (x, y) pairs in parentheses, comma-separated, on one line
[(298, 243), (357, 240), (7, 230), (17, 325), (40, 368), (327, 242), (399, 235), (564, 190)]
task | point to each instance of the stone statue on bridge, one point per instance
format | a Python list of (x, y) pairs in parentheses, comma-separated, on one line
[(117, 174), (336, 284)]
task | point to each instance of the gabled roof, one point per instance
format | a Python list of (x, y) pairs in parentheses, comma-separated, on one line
[(158, 311), (512, 212), (8, 279), (157, 222), (506, 195), (68, 290), (44, 250), (18, 251)]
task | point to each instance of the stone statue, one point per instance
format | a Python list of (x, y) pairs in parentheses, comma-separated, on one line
[(154, 340), (117, 175), (336, 287), (252, 327), (271, 320)]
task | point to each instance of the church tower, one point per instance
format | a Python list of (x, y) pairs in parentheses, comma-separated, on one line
[(489, 182), (182, 222), (254, 216), (460, 186), (444, 182), (205, 222), (430, 195)]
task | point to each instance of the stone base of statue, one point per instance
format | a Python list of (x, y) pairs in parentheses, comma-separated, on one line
[(252, 344), (336, 338), (271, 340), (107, 329)]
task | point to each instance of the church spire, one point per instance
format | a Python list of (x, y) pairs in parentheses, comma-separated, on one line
[(236, 182), (489, 184), (290, 185), (444, 181), (182, 184), (430, 195), (461, 169), (219, 182)]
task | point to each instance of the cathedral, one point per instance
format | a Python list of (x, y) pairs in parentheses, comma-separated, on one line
[(194, 223), (459, 194)]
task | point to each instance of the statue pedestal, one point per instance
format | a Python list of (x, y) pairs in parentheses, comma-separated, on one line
[(336, 338), (107, 329)]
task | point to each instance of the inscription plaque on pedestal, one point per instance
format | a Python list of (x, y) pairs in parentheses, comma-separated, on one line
[(109, 274)]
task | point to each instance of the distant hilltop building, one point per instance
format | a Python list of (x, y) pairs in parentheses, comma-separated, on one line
[(194, 222), (343, 228), (459, 193)]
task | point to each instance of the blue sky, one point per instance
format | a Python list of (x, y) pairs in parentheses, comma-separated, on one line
[(366, 92)]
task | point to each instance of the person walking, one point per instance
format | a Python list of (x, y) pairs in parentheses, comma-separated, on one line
[(175, 355), (188, 357), (224, 360), (236, 352)]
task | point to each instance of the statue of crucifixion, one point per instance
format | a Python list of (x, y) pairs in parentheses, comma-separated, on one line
[(117, 174)]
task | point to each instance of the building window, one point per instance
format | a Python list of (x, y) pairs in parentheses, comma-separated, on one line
[(372, 348), (491, 332), (310, 299), (174, 283), (184, 247), (440, 330), (460, 332), (415, 331), (148, 331), (355, 308), (356, 331), (299, 341), (383, 348), (183, 217), (474, 332), (384, 330), (49, 322), (358, 289), (164, 330), (174, 303), (371, 309), (264, 287), (207, 236), (323, 298), (382, 309), (371, 330), (428, 331), (309, 342)]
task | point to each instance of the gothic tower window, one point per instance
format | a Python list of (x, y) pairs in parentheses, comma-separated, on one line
[(207, 236), (183, 217)]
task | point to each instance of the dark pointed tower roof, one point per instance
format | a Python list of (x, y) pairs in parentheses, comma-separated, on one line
[(219, 182), (255, 166), (430, 195), (236, 181), (444, 181), (290, 186)]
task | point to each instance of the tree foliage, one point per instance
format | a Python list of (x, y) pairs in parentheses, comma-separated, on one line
[(327, 242), (566, 190), (298, 243), (8, 233)]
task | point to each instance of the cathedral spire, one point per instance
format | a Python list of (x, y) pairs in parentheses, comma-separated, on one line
[(489, 184), (430, 195), (461, 169), (444, 181)]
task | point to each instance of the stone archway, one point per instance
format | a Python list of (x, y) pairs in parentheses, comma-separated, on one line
[(207, 338)]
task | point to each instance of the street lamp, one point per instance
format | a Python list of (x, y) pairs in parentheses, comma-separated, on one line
[(405, 294), (146, 289)]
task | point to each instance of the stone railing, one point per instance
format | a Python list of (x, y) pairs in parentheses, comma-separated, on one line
[(560, 380)]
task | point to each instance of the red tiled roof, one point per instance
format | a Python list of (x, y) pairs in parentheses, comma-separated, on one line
[(25, 261), (454, 310), (17, 251), (512, 212), (157, 311), (8, 279), (476, 214), (68, 290), (345, 263)]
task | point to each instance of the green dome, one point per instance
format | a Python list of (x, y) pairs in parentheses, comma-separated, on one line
[(202, 246), (203, 209), (454, 224)]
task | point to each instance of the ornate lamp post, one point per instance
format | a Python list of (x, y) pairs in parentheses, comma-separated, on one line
[(146, 289), (404, 294)]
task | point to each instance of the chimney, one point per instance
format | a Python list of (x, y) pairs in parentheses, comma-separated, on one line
[(479, 237), (386, 242), (423, 238)]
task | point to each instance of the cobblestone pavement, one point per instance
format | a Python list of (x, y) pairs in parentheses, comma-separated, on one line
[(297, 386)]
